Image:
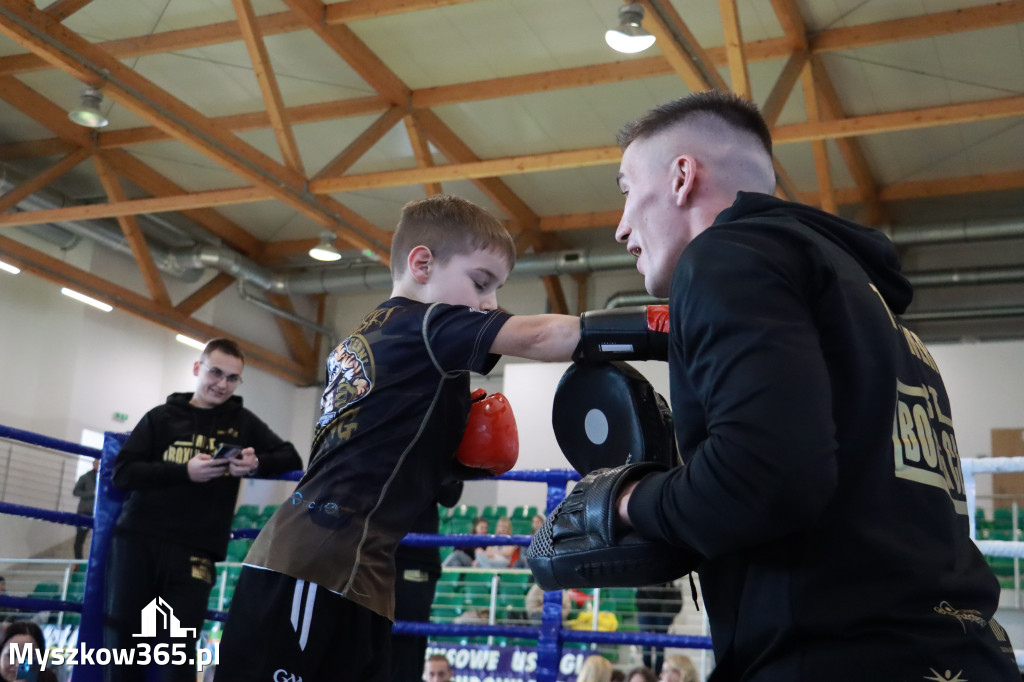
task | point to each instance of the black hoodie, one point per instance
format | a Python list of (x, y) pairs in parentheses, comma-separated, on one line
[(822, 482), (162, 501)]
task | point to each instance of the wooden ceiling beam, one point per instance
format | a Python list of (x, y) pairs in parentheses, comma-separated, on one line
[(62, 9), (680, 48), (454, 149), (126, 300), (257, 120), (922, 26), (73, 54), (300, 349), (421, 150), (849, 147), (353, 50), (362, 144), (265, 76), (783, 87), (874, 124), (158, 186), (545, 81), (734, 48), (830, 40), (130, 207), (34, 149), (792, 22), (579, 221), (929, 189), (556, 294), (822, 166), (490, 168), (204, 294), (356, 10), (43, 111), (133, 234), (13, 197)]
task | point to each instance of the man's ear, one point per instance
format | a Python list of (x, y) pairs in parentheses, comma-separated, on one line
[(195, 368), (684, 171), (419, 263)]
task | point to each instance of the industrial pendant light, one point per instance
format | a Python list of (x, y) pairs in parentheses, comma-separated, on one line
[(629, 36), (88, 112)]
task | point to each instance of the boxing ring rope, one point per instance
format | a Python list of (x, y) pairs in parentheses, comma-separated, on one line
[(550, 635)]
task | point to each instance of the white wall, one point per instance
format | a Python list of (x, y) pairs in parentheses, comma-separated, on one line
[(67, 367)]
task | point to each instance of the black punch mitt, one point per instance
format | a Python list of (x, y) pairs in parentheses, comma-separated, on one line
[(581, 543), (608, 414)]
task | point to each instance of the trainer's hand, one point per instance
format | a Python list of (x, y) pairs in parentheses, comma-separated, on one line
[(203, 468), (622, 504), (244, 464)]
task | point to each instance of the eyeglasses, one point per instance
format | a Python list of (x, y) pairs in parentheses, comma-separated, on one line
[(218, 374)]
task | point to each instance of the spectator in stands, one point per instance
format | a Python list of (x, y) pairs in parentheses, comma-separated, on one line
[(85, 491), (618, 676), (657, 606), (176, 519), (641, 674), (595, 669), (437, 669), (535, 603), (498, 556), (678, 668), (463, 556), (536, 522), (417, 570), (18, 635)]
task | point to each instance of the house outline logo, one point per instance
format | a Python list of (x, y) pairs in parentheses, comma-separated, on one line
[(158, 615)]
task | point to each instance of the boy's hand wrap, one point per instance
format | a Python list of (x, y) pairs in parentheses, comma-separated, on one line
[(636, 333), (490, 444), (582, 544)]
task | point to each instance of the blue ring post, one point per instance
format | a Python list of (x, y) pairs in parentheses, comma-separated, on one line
[(105, 513)]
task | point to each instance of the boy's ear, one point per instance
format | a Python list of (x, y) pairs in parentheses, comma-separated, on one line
[(420, 261)]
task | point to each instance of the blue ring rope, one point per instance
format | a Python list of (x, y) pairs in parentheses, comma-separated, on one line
[(549, 635)]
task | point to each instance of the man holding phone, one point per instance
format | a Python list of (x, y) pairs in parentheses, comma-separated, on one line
[(180, 468)]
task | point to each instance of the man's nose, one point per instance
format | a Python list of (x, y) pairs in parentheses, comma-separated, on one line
[(622, 231)]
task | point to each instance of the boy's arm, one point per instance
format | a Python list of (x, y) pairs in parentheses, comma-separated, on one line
[(538, 337)]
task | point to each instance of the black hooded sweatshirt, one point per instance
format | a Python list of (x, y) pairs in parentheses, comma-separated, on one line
[(162, 501), (822, 483)]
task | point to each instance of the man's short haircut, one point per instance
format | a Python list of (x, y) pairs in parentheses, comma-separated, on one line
[(448, 226), (440, 658), (729, 107), (226, 346)]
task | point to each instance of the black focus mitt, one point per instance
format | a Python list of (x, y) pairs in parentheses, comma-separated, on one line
[(608, 414), (581, 543)]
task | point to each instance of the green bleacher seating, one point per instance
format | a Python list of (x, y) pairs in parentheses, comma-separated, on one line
[(523, 513), (237, 549), (248, 510), (493, 512), (522, 527), (46, 590), (464, 511)]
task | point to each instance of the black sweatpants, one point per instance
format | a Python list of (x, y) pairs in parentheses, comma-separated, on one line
[(281, 628), (139, 571)]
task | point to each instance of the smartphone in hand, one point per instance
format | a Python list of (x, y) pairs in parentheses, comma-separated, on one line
[(226, 452)]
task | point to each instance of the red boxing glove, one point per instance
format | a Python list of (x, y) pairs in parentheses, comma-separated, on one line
[(491, 441)]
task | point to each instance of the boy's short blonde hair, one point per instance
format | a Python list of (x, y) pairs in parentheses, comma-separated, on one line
[(448, 226)]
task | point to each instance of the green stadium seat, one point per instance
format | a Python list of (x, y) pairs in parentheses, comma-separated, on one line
[(522, 527), (237, 549), (492, 512), (464, 511), (523, 513), (46, 590)]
